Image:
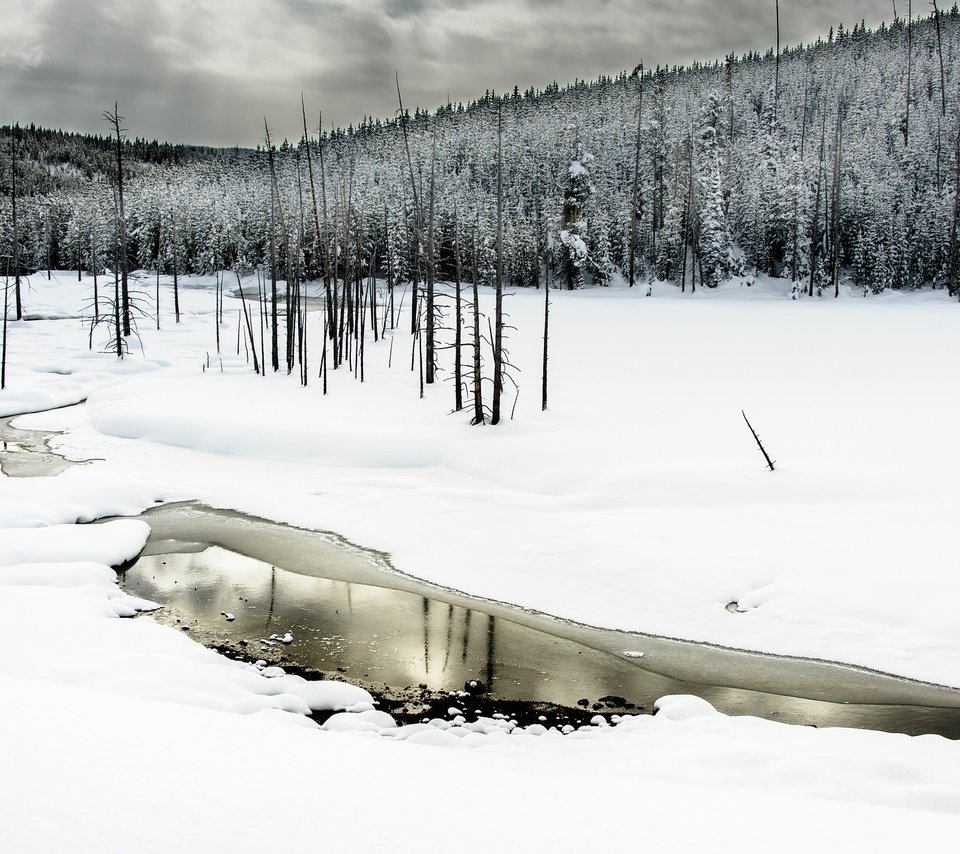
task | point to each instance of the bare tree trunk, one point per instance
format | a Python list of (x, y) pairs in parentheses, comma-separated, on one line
[(336, 314), (16, 230), (730, 115), (458, 332), (118, 340), (953, 261), (274, 342), (246, 315), (6, 308), (546, 338), (498, 310), (803, 125), (906, 126), (478, 417), (943, 85), (635, 198), (158, 274), (318, 243), (414, 317), (431, 272), (389, 266), (176, 285), (330, 286), (776, 73), (93, 263), (835, 215), (115, 119)]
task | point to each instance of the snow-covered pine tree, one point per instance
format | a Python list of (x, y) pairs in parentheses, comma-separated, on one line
[(715, 243)]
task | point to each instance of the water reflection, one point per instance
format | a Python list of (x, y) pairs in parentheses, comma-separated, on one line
[(379, 635)]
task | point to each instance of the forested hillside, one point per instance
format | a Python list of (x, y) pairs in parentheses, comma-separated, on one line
[(837, 159)]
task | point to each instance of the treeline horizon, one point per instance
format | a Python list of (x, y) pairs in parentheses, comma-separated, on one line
[(837, 158)]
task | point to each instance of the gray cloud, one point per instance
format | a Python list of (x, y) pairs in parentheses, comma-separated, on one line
[(206, 71)]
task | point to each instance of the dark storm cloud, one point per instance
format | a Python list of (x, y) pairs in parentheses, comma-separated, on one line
[(208, 70)]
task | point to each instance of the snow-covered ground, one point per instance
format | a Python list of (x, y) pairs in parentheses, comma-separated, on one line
[(637, 501)]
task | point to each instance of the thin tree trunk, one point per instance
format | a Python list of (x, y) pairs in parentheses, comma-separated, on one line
[(458, 332), (16, 230), (6, 308), (118, 342), (158, 278), (498, 310), (246, 315), (953, 262), (176, 285), (93, 263), (274, 342), (634, 201), (776, 73), (546, 338), (906, 126), (414, 318), (115, 118), (835, 216), (389, 266), (478, 417), (431, 272), (330, 285)]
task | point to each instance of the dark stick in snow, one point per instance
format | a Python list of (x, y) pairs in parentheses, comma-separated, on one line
[(763, 451)]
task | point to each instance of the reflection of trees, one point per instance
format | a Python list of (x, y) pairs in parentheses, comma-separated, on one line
[(491, 649), (426, 634), (273, 594), (446, 656), (466, 636)]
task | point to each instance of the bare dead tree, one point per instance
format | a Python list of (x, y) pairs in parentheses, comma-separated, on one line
[(16, 229), (157, 245), (478, 414), (953, 262), (274, 342), (93, 264), (458, 330), (431, 268), (116, 121), (835, 211), (330, 283), (249, 324), (943, 85), (498, 309), (635, 199), (906, 125), (415, 282), (776, 67), (176, 286), (6, 308), (546, 338)]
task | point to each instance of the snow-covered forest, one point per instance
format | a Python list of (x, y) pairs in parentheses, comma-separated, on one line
[(838, 158)]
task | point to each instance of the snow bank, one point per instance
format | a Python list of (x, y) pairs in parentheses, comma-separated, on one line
[(112, 543)]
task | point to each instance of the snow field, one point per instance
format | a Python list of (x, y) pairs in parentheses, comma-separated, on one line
[(638, 501)]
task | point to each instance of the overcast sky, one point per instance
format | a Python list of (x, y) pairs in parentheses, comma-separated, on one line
[(206, 71)]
